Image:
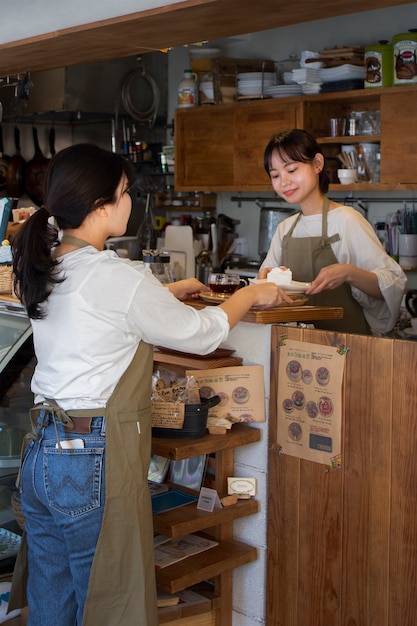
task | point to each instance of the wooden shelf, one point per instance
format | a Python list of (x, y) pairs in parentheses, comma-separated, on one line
[(177, 449), (194, 363), (188, 519), (203, 611), (213, 562)]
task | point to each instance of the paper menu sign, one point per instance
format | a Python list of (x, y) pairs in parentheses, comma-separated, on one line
[(309, 401), (241, 389)]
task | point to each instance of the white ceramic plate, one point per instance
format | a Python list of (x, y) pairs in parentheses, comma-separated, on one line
[(293, 287)]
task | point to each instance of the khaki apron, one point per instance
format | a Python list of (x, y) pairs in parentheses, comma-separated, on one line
[(306, 256), (122, 587)]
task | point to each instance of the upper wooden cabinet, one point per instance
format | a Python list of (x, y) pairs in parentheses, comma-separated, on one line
[(220, 147)]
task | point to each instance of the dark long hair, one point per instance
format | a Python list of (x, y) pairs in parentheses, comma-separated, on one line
[(295, 145), (78, 180)]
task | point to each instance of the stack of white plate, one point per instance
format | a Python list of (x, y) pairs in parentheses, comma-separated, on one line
[(311, 88), (306, 75), (283, 91), (341, 72), (254, 83)]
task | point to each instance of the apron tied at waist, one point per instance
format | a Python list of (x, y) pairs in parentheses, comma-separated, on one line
[(75, 421)]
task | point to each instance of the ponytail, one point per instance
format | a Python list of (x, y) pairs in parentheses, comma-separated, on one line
[(34, 268)]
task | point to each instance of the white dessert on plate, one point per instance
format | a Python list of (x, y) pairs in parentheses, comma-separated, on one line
[(280, 276)]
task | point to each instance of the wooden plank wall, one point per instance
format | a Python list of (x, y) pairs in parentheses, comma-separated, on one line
[(342, 545)]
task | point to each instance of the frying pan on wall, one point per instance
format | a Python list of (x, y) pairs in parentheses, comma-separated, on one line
[(4, 160), (35, 172), (15, 170)]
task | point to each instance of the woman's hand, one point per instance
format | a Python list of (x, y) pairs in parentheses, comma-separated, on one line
[(333, 276), (262, 274), (269, 295), (187, 288), (329, 277), (263, 296)]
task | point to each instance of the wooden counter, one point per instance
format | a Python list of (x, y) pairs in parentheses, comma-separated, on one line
[(342, 545)]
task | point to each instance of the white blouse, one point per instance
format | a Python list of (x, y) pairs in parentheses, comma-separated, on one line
[(95, 320), (358, 245)]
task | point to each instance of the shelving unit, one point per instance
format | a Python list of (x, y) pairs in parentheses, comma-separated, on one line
[(206, 161), (215, 566)]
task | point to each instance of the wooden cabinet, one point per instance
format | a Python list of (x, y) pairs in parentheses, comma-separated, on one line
[(215, 565), (220, 148)]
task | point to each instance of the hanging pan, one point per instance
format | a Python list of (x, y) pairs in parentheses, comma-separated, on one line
[(35, 172), (15, 170), (4, 160)]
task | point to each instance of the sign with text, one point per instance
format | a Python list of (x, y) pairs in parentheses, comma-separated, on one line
[(241, 390), (309, 410)]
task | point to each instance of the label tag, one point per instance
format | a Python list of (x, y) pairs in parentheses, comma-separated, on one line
[(71, 444), (208, 500)]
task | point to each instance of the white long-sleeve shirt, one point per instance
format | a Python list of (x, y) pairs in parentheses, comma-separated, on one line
[(96, 319), (358, 245)]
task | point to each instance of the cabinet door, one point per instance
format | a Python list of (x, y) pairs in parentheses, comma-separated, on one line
[(204, 148), (398, 138), (255, 123), (220, 148)]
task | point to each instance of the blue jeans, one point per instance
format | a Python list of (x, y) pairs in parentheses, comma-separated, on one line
[(63, 495)]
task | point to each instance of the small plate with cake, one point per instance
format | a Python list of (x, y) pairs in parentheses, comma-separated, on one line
[(282, 277)]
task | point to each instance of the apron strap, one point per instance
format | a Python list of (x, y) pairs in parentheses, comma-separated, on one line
[(325, 240)]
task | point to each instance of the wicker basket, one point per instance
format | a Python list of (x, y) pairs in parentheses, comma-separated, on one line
[(6, 279)]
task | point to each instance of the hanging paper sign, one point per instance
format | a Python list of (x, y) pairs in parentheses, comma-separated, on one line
[(309, 410)]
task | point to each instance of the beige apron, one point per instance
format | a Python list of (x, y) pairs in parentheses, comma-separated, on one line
[(306, 256), (122, 586)]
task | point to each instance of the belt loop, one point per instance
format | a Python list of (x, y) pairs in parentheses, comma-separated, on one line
[(103, 427)]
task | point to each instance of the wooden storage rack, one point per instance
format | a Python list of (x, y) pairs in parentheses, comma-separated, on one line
[(215, 565)]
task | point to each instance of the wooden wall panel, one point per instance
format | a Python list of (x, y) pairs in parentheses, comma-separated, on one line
[(366, 471), (342, 545), (402, 555)]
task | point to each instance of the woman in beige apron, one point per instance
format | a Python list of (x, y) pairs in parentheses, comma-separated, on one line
[(88, 549), (329, 245)]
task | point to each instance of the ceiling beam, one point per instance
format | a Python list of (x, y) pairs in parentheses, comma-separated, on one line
[(167, 27)]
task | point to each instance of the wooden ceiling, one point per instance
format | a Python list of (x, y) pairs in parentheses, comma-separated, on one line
[(167, 27)]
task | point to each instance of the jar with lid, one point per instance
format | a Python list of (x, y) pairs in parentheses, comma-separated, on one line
[(188, 90)]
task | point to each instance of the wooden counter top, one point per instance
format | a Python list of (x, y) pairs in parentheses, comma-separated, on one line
[(282, 314)]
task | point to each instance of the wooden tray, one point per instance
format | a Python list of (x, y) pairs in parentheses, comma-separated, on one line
[(279, 315)]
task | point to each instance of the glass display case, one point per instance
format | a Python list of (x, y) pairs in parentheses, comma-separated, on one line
[(17, 363)]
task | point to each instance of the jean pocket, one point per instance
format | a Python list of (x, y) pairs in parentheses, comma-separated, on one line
[(73, 479)]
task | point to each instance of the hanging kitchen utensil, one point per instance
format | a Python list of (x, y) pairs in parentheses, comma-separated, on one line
[(140, 96), (35, 172), (15, 170), (4, 160), (52, 142)]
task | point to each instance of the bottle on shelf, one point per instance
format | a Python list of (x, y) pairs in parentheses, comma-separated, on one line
[(146, 234), (188, 90)]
